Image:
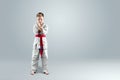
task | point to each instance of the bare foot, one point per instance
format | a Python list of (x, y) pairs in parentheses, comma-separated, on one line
[(33, 72), (46, 73)]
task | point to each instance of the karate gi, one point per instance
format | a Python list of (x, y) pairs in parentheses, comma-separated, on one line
[(39, 47)]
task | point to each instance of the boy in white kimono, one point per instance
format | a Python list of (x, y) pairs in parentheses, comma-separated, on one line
[(40, 44)]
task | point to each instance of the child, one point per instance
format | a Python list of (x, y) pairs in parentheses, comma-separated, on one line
[(40, 44)]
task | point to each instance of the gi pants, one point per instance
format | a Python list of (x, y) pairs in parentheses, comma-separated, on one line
[(35, 59)]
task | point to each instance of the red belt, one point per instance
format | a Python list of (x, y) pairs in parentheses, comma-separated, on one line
[(41, 42)]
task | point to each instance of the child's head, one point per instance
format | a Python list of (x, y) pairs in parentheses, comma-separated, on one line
[(40, 17)]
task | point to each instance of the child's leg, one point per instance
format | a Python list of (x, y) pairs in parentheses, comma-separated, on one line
[(44, 59), (35, 59)]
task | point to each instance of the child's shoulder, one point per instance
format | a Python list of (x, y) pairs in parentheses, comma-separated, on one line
[(45, 25), (35, 25)]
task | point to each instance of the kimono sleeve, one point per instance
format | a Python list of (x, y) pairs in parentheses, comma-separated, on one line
[(45, 29), (35, 30)]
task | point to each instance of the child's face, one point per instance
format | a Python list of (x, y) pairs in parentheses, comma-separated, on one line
[(40, 20)]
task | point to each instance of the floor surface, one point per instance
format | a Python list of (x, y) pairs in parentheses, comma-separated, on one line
[(74, 70)]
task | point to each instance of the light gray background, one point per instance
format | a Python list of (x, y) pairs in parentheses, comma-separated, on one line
[(78, 29)]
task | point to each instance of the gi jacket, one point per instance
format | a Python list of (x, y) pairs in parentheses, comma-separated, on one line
[(36, 43)]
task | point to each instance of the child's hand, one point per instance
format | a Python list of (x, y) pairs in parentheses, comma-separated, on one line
[(40, 28)]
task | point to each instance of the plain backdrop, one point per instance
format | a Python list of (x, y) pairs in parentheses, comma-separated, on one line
[(78, 29)]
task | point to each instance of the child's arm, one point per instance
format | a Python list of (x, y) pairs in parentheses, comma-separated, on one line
[(35, 30)]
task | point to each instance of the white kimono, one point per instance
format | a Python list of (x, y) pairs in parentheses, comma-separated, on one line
[(37, 47)]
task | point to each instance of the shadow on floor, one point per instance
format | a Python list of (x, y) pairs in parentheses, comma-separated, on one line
[(39, 70)]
